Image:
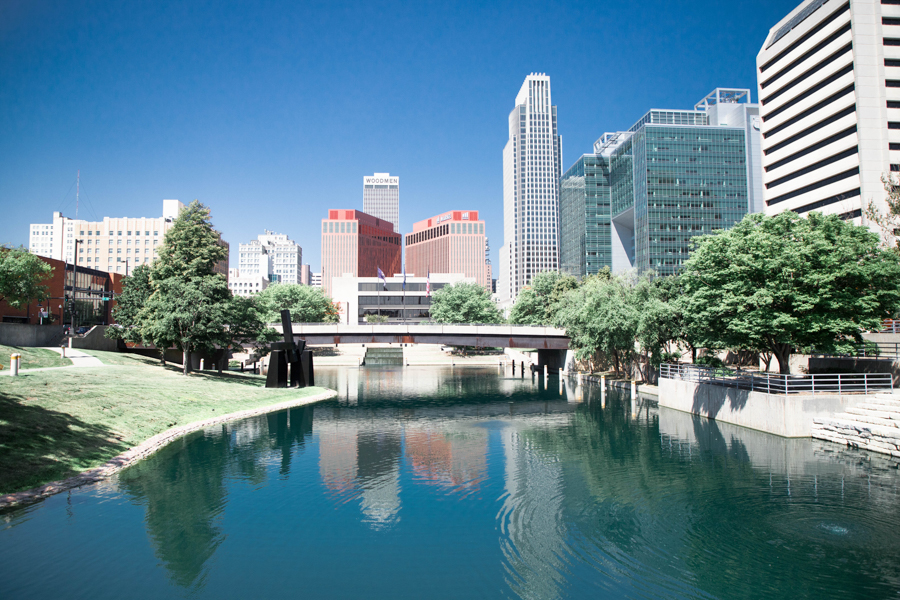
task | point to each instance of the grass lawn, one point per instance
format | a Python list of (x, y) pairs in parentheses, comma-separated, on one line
[(55, 424), (33, 358)]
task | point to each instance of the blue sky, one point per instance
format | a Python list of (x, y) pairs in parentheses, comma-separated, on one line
[(272, 112)]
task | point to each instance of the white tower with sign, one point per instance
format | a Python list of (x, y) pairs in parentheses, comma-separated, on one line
[(381, 197)]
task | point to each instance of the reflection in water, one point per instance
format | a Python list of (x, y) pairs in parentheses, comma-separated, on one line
[(468, 482)]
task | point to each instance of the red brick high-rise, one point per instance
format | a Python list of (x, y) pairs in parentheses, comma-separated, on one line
[(360, 244)]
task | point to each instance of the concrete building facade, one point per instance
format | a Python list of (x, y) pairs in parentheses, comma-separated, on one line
[(532, 165), (452, 242), (359, 297), (358, 244), (272, 256), (381, 197), (115, 244), (244, 285), (829, 86)]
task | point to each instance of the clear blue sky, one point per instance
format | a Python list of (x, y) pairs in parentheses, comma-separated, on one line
[(272, 112)]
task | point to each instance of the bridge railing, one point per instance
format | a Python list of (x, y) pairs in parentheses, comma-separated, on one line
[(467, 328), (770, 383)]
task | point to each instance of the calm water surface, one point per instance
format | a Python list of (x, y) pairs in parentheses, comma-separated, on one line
[(440, 483)]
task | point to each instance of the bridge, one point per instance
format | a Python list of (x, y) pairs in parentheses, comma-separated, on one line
[(550, 342)]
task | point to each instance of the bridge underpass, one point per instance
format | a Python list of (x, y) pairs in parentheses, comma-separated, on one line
[(551, 343)]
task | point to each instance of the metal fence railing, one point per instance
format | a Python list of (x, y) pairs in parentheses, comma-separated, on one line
[(769, 383), (891, 326), (888, 350)]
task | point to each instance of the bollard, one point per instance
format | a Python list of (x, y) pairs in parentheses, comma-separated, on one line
[(522, 364), (546, 371), (514, 367), (14, 364), (633, 388), (63, 351), (202, 363), (603, 381), (633, 399)]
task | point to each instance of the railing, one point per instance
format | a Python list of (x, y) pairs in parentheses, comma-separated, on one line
[(843, 383), (889, 350), (891, 326)]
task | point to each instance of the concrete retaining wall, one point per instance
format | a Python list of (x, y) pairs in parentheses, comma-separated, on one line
[(95, 340), (30, 336), (857, 365), (787, 416)]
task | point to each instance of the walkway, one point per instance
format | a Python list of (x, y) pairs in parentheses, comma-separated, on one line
[(79, 360)]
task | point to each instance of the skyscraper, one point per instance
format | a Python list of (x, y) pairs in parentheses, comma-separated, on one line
[(359, 244), (829, 89), (452, 242), (637, 201), (532, 160), (381, 198)]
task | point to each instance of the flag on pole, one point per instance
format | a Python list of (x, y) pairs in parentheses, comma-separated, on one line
[(381, 276), (404, 278), (428, 285)]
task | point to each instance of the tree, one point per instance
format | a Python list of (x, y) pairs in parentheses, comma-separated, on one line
[(136, 290), (600, 317), (192, 313), (245, 324), (537, 303), (464, 303), (307, 304), (888, 222), (778, 283), (659, 322), (188, 306), (21, 277)]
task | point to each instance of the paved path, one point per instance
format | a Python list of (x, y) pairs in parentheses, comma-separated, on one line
[(79, 359)]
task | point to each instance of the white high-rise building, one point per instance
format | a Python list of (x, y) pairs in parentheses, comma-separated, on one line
[(532, 163), (829, 94), (272, 256), (381, 198)]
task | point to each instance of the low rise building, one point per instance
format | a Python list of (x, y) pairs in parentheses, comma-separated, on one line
[(360, 297)]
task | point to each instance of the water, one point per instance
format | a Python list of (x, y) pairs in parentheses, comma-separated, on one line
[(442, 483)]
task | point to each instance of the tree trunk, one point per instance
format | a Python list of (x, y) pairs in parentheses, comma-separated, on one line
[(187, 360), (782, 354), (616, 361)]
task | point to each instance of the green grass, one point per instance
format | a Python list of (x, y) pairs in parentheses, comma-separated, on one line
[(55, 424), (33, 358)]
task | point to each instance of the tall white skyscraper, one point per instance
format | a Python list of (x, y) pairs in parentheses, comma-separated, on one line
[(381, 198), (532, 163), (829, 94)]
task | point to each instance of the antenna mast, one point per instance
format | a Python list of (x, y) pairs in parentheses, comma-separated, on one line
[(77, 186)]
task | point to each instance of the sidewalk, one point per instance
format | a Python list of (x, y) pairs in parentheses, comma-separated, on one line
[(79, 359)]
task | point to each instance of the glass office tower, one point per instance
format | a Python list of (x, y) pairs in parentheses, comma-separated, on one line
[(584, 219), (637, 201)]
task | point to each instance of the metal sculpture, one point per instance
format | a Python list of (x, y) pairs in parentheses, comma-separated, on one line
[(289, 353)]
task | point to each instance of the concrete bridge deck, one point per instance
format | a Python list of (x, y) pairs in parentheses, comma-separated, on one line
[(483, 336)]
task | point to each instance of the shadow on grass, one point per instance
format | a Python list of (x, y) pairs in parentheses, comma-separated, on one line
[(38, 445)]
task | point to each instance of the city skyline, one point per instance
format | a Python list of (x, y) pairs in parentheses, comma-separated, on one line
[(235, 128)]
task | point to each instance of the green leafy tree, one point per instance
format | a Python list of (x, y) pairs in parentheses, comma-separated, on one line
[(192, 312), (189, 304), (136, 290), (783, 282), (245, 325), (21, 277), (537, 304), (659, 323), (601, 317), (888, 222), (307, 304), (464, 303)]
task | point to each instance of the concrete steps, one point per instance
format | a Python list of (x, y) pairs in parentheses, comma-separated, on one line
[(871, 425)]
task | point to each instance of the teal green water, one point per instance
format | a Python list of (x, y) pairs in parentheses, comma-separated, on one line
[(441, 483)]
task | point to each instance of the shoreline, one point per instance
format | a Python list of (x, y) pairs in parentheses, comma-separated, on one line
[(143, 450)]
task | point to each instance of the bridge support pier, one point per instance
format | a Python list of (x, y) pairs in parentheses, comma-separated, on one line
[(554, 359)]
